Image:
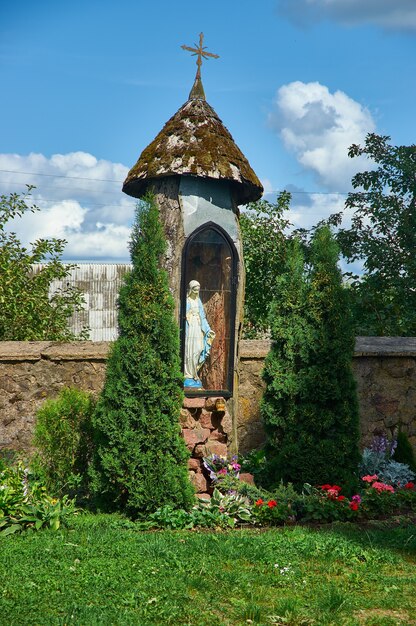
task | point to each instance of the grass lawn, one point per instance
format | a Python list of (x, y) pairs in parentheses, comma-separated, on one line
[(103, 571)]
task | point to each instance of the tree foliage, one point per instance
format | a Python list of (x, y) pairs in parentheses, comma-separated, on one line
[(141, 459), (264, 243), (310, 408), (382, 235), (27, 311), (64, 442)]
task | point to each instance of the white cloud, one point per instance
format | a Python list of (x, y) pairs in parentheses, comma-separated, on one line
[(107, 241), (388, 14), (58, 220), (319, 126), (307, 210), (80, 200)]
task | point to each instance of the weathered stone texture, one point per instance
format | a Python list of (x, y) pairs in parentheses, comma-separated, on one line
[(203, 432), (166, 192), (250, 432), (30, 372)]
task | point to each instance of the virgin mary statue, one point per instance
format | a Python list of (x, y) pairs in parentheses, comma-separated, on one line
[(198, 336)]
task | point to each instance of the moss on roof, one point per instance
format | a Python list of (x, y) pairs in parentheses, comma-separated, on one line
[(194, 142)]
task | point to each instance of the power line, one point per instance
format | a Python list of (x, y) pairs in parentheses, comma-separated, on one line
[(67, 189), (107, 180), (310, 193), (101, 180)]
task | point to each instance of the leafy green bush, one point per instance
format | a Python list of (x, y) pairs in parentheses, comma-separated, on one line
[(326, 504), (222, 511), (264, 243), (237, 507), (254, 462), (231, 483), (379, 502), (310, 407), (404, 451), (64, 442), (8, 457), (387, 470), (24, 503), (272, 512), (141, 459), (27, 312)]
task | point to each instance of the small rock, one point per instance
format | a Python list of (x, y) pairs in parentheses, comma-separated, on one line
[(193, 436), (217, 435), (215, 447), (203, 496), (186, 420), (199, 481), (247, 478), (206, 419), (227, 423), (194, 465), (210, 404), (194, 403)]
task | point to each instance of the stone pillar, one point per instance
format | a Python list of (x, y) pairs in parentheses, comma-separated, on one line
[(207, 429)]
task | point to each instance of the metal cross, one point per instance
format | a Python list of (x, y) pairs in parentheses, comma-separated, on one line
[(200, 51)]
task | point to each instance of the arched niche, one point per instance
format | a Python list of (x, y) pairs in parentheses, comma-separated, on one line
[(210, 259)]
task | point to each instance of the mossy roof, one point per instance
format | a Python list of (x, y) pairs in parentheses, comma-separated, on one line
[(194, 142)]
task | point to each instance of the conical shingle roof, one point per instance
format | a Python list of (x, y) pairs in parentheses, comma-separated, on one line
[(194, 142)]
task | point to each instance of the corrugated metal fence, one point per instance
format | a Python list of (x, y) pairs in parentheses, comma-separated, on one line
[(100, 284)]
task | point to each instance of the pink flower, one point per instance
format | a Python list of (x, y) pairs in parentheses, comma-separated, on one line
[(382, 487), (259, 502), (236, 466), (356, 499), (369, 479), (271, 504), (223, 470)]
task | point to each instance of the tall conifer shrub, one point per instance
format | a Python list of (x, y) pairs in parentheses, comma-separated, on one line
[(141, 459), (310, 407)]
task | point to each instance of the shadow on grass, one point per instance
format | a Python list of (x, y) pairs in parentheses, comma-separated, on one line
[(398, 534)]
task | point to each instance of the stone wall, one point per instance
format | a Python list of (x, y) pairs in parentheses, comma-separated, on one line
[(385, 371), (30, 372)]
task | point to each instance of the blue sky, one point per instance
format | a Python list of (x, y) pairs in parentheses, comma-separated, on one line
[(86, 85)]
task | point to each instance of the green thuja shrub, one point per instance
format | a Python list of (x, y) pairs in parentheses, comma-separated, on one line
[(310, 408), (64, 442), (141, 459), (404, 451)]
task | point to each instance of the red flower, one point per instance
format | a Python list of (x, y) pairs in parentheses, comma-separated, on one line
[(271, 504), (409, 485), (259, 502), (341, 498), (326, 487), (336, 488), (353, 506)]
